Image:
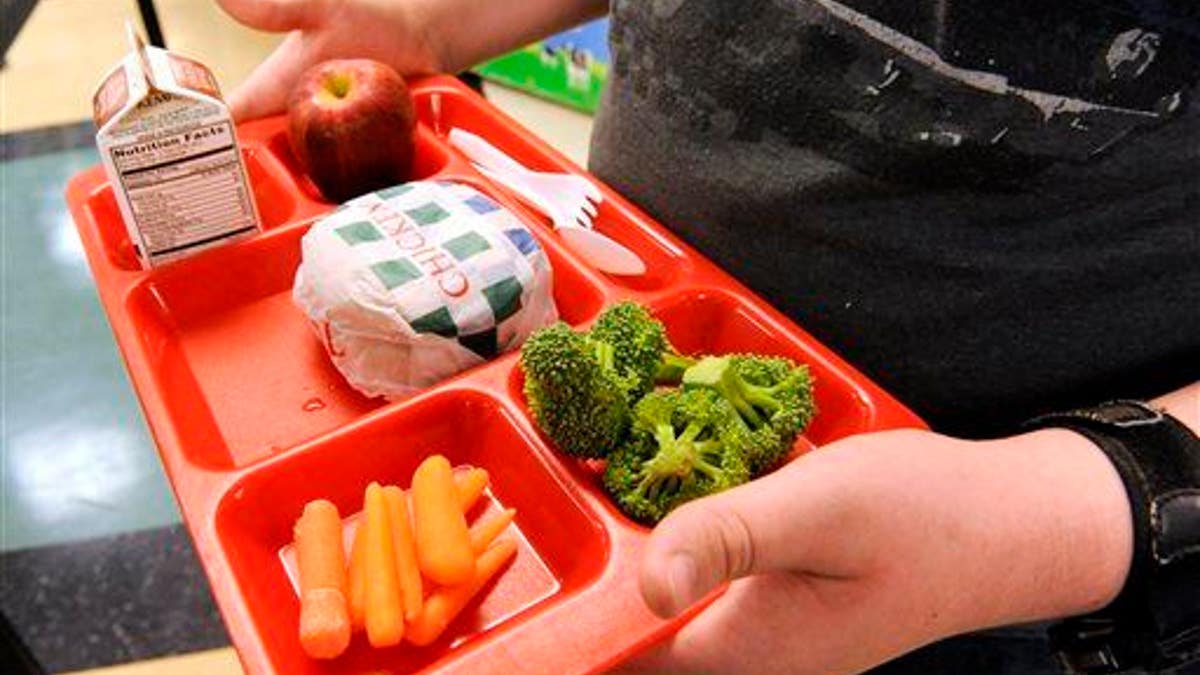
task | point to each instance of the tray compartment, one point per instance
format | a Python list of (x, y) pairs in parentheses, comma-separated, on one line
[(705, 321), (713, 321), (561, 546), (237, 364), (240, 367), (429, 158), (276, 204), (466, 110)]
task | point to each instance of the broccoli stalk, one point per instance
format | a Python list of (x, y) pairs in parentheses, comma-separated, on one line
[(605, 355), (671, 367), (677, 458), (718, 374)]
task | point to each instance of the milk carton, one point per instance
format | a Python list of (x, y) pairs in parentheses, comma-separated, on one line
[(170, 148)]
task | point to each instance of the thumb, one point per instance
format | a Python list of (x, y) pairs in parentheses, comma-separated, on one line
[(265, 91), (277, 15), (790, 520)]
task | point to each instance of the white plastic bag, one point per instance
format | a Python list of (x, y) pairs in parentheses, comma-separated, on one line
[(410, 285)]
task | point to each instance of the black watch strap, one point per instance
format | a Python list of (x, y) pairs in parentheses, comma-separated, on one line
[(1155, 622)]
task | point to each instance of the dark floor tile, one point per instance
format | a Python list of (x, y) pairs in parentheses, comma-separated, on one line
[(27, 143), (124, 598)]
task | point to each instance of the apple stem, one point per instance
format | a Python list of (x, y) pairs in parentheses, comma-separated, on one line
[(339, 85)]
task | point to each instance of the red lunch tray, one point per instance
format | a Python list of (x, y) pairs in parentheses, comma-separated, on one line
[(252, 421)]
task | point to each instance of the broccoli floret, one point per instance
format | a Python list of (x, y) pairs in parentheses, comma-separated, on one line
[(577, 395), (772, 396), (640, 346), (683, 445)]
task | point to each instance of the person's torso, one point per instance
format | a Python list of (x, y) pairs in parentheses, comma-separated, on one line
[(984, 247)]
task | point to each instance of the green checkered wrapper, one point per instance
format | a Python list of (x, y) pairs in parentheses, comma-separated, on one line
[(412, 284)]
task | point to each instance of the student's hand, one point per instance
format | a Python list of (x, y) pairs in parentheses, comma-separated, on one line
[(385, 30), (878, 544), (415, 37)]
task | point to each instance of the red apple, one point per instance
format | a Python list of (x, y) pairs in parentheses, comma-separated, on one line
[(350, 123)]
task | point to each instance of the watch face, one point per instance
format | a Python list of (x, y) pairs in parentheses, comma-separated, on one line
[(1124, 413)]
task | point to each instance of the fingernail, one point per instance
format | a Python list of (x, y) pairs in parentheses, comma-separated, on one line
[(682, 578)]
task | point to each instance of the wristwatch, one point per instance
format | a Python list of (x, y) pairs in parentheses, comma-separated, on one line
[(1154, 624)]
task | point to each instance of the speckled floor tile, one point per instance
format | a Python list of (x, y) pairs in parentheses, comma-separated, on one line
[(111, 600), (77, 459)]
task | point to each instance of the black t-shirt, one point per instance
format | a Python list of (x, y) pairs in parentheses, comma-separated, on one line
[(991, 215)]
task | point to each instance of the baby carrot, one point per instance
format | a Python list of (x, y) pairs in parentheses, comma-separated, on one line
[(358, 577), (469, 486), (407, 570), (444, 604), (324, 623), (484, 533), (385, 612), (443, 542)]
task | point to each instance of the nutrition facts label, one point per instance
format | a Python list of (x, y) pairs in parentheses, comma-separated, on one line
[(186, 190)]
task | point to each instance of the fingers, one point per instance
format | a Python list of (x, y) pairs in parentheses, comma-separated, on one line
[(742, 631), (786, 624), (265, 91), (848, 557), (799, 518), (277, 15)]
